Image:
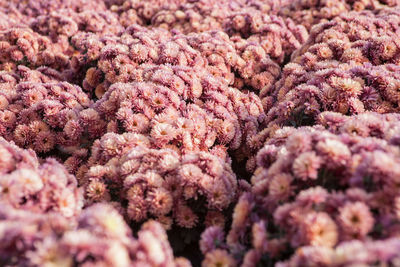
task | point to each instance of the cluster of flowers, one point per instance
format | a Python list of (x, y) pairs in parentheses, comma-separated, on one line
[(98, 236), (38, 110), (186, 15), (350, 253), (23, 11), (315, 188), (42, 222), (324, 194), (204, 15), (123, 119), (241, 62), (242, 58), (218, 114), (22, 46), (348, 65), (311, 12), (152, 72), (26, 184), (65, 23), (159, 182), (198, 16), (140, 12)]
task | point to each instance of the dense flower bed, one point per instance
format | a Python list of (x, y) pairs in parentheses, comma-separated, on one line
[(199, 133)]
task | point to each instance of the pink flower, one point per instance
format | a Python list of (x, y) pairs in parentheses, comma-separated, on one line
[(318, 229), (97, 191), (312, 196), (218, 257), (280, 186), (335, 152), (211, 239), (160, 201), (185, 217), (136, 209), (306, 165), (356, 220)]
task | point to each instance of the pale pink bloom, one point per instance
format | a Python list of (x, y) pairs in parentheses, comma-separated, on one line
[(306, 166), (280, 187), (97, 191), (335, 152), (66, 203), (29, 180), (312, 196), (298, 143), (218, 258), (152, 239), (160, 201), (355, 219), (318, 229), (185, 217), (163, 133), (44, 141), (211, 239), (137, 209)]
